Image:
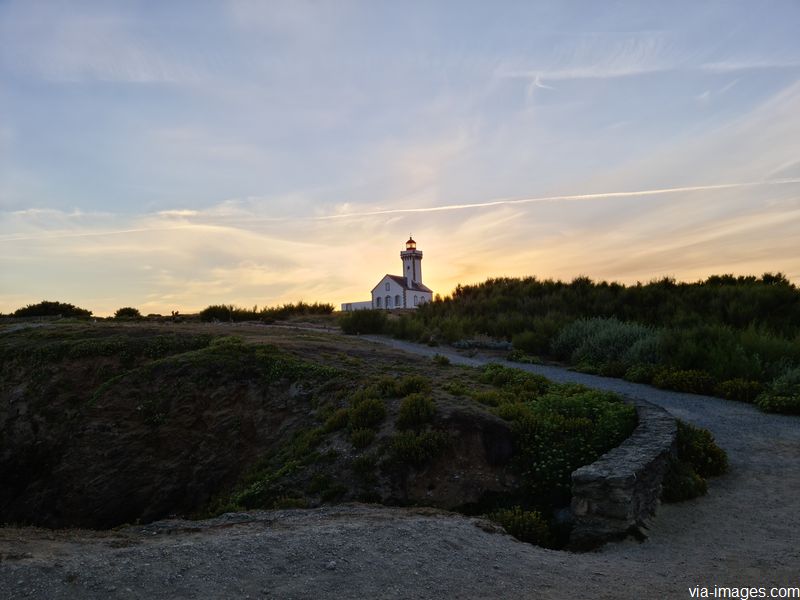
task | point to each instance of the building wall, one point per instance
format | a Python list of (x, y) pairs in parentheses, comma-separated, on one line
[(420, 297), (381, 292), (351, 306)]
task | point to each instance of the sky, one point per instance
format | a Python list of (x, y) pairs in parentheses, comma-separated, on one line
[(173, 155)]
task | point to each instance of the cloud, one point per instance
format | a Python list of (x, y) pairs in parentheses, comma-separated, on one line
[(562, 198)]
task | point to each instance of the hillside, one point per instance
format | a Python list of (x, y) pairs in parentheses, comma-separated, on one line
[(104, 424)]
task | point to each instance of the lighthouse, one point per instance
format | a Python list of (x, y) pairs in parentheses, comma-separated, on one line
[(399, 291)]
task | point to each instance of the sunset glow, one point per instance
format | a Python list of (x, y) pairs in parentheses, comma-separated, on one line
[(169, 156)]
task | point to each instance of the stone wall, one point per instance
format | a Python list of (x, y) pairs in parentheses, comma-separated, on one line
[(614, 496)]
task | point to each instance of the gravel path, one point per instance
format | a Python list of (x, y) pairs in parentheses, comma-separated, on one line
[(744, 533)]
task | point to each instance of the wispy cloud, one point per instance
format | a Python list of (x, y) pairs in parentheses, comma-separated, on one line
[(563, 198)]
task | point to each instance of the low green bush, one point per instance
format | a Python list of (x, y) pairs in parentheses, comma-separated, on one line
[(411, 384), (127, 312), (46, 308), (698, 457), (515, 380), (538, 334), (292, 310), (393, 387), (691, 381), (227, 312), (773, 403), (415, 410), (696, 446), (783, 394), (456, 388), (417, 449), (601, 340), (640, 373), (614, 368), (362, 437), (739, 389), (561, 430), (493, 397), (681, 482), (521, 357), (364, 322), (441, 360), (338, 420), (369, 413), (526, 526)]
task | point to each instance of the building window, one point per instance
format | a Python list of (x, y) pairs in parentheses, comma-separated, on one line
[(378, 302), (388, 302), (397, 300), (416, 300), (387, 286)]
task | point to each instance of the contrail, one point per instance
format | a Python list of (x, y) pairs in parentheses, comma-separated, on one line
[(572, 197), (393, 211)]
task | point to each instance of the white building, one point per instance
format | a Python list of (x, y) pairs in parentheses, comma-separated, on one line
[(399, 291)]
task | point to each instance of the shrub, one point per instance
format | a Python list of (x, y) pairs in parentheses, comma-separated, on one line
[(411, 384), (338, 420), (362, 437), (526, 526), (227, 312), (538, 334), (514, 379), (600, 340), (681, 482), (291, 310), (645, 350), (441, 360), (408, 328), (369, 413), (127, 312), (456, 388), (640, 373), (739, 389), (417, 449), (520, 357), (787, 405), (415, 410), (691, 381), (697, 457), (614, 368), (715, 349), (364, 466), (363, 322), (783, 394), (566, 428), (697, 448), (46, 308)]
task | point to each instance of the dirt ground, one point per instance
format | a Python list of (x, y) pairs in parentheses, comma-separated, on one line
[(744, 533)]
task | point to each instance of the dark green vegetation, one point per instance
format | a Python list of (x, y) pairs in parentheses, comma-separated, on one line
[(736, 337), (698, 458), (103, 424), (364, 322), (231, 313), (47, 308), (127, 312)]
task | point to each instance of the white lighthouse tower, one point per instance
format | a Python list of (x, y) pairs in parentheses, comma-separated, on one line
[(412, 263)]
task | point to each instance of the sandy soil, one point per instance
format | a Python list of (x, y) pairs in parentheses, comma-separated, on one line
[(746, 532)]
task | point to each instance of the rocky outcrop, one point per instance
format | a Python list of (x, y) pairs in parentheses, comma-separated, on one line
[(615, 496)]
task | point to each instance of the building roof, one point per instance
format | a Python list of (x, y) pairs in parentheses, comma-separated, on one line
[(401, 281)]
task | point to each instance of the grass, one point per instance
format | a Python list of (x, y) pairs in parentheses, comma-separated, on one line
[(348, 421)]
